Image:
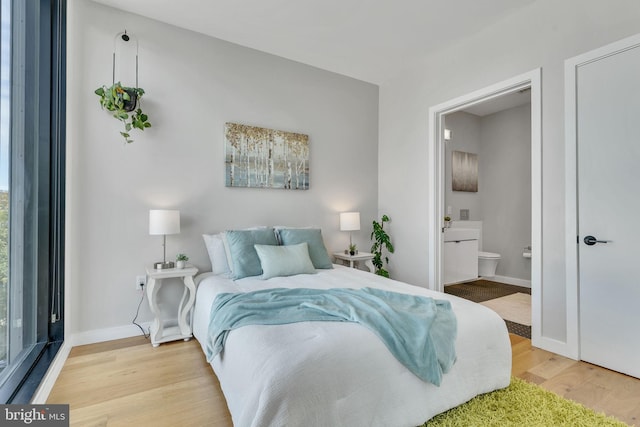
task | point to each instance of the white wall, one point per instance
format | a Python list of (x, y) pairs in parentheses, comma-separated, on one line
[(504, 172), (194, 85), (543, 34)]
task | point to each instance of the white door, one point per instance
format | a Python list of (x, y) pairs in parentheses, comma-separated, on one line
[(608, 137)]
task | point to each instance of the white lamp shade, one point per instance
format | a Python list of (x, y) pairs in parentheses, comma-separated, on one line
[(349, 221), (164, 222)]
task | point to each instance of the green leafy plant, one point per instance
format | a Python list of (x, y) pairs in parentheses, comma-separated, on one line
[(182, 257), (352, 249), (381, 240), (122, 101)]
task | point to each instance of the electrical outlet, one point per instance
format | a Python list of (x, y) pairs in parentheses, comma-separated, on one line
[(141, 282)]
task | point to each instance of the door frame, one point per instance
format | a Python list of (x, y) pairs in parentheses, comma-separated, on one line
[(532, 80), (571, 182)]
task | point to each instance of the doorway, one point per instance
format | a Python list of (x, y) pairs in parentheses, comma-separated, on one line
[(496, 134), (437, 151)]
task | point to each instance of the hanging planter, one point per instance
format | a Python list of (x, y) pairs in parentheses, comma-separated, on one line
[(124, 102)]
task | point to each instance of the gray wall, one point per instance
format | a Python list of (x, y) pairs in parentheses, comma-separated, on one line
[(504, 172), (194, 85), (465, 131), (543, 34)]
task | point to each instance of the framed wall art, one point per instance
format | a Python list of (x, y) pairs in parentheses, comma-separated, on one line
[(258, 157), (464, 171)]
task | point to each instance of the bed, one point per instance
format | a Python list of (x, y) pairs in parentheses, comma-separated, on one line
[(341, 374)]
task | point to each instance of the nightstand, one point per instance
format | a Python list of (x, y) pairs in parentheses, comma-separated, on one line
[(354, 259), (160, 331)]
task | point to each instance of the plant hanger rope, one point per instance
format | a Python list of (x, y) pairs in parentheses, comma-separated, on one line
[(124, 102), (124, 37)]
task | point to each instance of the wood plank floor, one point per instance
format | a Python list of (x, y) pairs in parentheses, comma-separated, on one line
[(130, 383)]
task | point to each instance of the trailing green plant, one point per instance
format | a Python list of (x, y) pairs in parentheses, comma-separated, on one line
[(381, 240), (182, 257), (122, 101)]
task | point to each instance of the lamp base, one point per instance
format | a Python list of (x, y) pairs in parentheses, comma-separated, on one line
[(164, 265)]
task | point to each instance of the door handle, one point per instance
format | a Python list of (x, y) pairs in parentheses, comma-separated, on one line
[(590, 241)]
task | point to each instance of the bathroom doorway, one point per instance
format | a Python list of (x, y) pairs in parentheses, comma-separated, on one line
[(488, 102), (497, 134)]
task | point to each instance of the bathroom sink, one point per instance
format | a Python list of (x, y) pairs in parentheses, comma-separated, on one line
[(458, 234)]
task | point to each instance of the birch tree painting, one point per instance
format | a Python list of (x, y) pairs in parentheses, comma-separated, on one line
[(265, 158)]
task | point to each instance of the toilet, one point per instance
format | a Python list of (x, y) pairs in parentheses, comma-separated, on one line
[(487, 263)]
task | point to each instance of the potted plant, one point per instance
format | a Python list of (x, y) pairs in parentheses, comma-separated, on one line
[(122, 102), (381, 240), (447, 221), (181, 260), (353, 249)]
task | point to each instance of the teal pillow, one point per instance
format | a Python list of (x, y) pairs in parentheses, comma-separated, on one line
[(313, 238), (289, 260), (243, 254)]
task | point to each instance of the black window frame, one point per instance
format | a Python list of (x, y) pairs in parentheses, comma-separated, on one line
[(38, 134)]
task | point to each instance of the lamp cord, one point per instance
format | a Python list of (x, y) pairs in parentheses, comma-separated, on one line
[(136, 317)]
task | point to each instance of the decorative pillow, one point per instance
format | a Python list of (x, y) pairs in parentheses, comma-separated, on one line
[(244, 259), (282, 227), (289, 260), (223, 235), (217, 253), (313, 238)]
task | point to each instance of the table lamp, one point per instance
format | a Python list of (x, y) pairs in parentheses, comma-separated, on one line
[(350, 221), (163, 222)]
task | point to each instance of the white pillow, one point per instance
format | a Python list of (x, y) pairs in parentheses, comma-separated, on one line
[(217, 253), (277, 261)]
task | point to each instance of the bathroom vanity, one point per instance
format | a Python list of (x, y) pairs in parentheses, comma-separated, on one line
[(460, 254)]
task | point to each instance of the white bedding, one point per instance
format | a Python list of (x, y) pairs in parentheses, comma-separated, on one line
[(341, 374)]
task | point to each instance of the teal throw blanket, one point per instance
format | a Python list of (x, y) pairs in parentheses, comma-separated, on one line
[(419, 331)]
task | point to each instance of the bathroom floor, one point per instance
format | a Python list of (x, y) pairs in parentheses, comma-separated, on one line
[(485, 290)]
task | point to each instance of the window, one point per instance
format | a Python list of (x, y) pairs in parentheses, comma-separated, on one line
[(32, 51), (5, 76)]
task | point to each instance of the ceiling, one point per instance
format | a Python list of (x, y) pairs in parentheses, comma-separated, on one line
[(364, 39)]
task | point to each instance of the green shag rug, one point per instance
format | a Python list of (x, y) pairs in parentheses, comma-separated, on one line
[(521, 404)]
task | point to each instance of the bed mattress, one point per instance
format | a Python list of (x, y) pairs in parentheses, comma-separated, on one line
[(341, 374)]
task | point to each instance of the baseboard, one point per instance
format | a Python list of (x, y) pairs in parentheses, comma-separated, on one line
[(558, 347), (107, 334), (510, 281), (42, 393)]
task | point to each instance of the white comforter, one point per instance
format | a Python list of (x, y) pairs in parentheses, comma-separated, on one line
[(341, 374)]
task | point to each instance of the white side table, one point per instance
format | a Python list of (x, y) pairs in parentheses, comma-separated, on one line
[(160, 331), (354, 259)]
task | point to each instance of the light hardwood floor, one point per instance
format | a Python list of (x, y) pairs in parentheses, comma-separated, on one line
[(130, 383)]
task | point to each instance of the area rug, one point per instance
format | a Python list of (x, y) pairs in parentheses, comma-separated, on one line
[(515, 307), (483, 290), (521, 404)]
